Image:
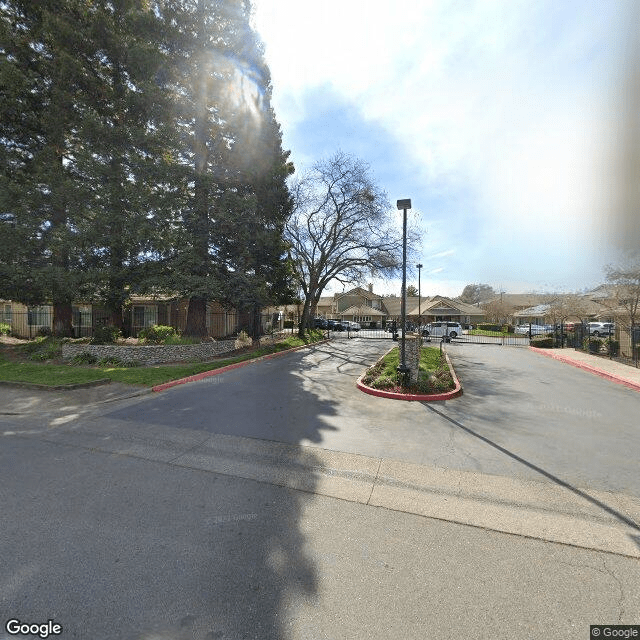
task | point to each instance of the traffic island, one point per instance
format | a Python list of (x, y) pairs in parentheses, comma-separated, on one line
[(377, 381)]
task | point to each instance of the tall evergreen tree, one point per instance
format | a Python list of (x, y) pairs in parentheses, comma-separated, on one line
[(222, 91), (42, 78), (125, 130)]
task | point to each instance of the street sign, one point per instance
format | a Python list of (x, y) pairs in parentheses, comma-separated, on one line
[(404, 204)]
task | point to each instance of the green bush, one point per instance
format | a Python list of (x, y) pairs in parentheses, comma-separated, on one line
[(542, 343), (5, 328), (106, 335), (113, 361), (613, 346), (42, 348), (490, 327), (157, 334), (593, 345), (84, 358)]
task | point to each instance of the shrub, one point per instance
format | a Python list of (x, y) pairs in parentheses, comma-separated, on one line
[(490, 327), (5, 328), (157, 334), (42, 348), (45, 331), (593, 345), (84, 358), (105, 335), (113, 361), (542, 343), (613, 346)]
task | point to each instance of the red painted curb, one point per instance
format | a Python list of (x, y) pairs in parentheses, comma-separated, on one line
[(434, 397), (587, 367), (229, 367)]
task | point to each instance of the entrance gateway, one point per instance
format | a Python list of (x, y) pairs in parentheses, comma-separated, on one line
[(433, 333)]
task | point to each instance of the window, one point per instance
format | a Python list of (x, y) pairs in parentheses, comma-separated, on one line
[(145, 316), (81, 316), (39, 316)]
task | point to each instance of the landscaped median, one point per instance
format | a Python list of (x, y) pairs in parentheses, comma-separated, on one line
[(437, 380), (24, 364)]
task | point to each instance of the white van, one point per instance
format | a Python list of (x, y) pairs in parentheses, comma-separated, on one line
[(439, 329)]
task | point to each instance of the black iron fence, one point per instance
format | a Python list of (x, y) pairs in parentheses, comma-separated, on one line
[(38, 321), (619, 343)]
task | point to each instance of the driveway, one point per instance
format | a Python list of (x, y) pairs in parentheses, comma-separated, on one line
[(521, 415), (145, 520)]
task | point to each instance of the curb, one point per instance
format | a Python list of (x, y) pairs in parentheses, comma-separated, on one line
[(55, 387), (434, 397), (229, 367), (591, 369)]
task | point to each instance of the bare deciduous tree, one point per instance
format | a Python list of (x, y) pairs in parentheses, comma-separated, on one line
[(563, 306), (625, 302), (475, 293), (497, 312), (342, 227)]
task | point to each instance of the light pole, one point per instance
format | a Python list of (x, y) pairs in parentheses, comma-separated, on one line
[(419, 266), (403, 370)]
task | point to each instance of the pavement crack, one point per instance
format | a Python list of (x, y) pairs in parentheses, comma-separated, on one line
[(189, 450), (375, 480), (620, 587)]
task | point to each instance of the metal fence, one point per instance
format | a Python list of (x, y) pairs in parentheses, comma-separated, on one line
[(623, 345), (38, 321)]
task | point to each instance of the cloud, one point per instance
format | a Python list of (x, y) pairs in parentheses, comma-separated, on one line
[(492, 116), (442, 254)]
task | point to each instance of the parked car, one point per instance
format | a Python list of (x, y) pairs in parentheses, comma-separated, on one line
[(601, 328), (439, 329), (535, 329), (319, 323), (335, 325), (351, 326)]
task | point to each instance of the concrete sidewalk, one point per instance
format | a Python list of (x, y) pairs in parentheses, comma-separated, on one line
[(610, 369), (17, 399)]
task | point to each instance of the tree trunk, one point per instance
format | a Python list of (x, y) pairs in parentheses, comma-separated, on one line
[(62, 320), (256, 325), (196, 318), (304, 320), (115, 318)]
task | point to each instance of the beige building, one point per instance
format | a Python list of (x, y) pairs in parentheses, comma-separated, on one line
[(140, 312), (372, 310)]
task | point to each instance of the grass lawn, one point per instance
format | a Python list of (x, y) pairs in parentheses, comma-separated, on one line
[(56, 374), (434, 374), (482, 332)]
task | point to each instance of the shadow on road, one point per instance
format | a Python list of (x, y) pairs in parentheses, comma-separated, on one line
[(621, 517), (256, 566)]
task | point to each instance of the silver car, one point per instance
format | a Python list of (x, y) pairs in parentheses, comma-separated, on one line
[(601, 328), (536, 329)]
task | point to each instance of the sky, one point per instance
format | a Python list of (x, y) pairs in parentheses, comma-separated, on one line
[(499, 119)]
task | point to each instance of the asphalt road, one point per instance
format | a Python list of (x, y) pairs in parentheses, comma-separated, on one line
[(115, 525), (115, 547), (521, 415)]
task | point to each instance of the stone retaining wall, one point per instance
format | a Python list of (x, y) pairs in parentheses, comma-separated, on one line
[(151, 354), (412, 355)]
